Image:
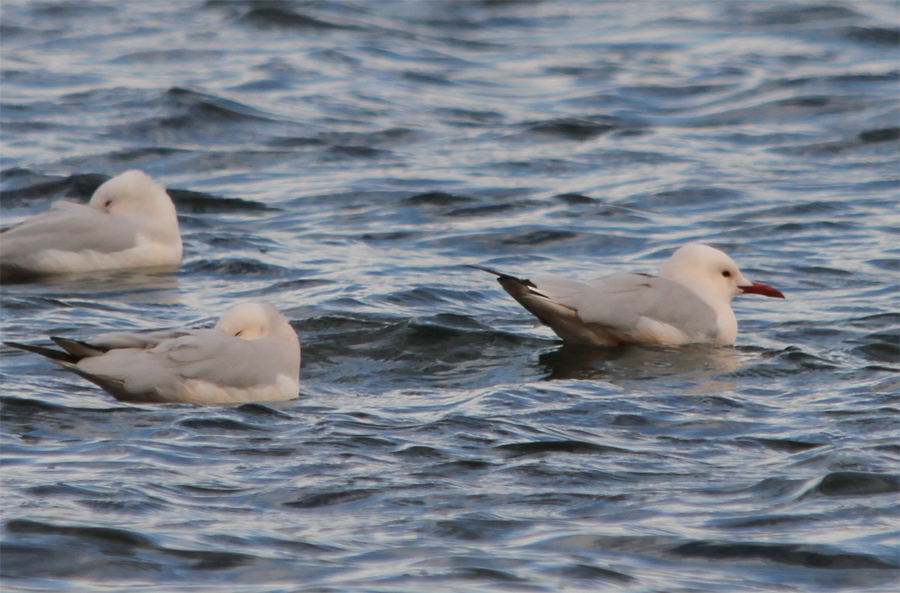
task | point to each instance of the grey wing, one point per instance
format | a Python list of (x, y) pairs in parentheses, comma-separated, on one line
[(10, 227), (620, 300), (146, 341), (220, 358), (69, 227), (559, 289), (206, 355)]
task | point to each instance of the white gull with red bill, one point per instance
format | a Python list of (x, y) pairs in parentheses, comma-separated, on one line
[(688, 302)]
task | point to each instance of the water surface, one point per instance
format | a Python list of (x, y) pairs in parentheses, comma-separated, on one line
[(344, 161)]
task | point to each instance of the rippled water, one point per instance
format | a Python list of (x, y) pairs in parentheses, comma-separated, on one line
[(344, 160)]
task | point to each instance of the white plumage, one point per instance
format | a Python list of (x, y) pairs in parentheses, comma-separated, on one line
[(252, 354), (129, 222), (688, 302)]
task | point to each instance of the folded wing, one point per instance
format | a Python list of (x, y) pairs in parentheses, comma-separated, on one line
[(70, 227), (616, 310), (204, 366)]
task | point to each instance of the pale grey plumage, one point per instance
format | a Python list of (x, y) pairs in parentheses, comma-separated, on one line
[(252, 354), (688, 302), (619, 301), (68, 227), (129, 222)]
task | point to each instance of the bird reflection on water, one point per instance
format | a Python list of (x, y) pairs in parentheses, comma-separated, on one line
[(156, 285), (700, 363)]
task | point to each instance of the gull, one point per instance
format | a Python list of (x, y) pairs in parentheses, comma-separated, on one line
[(252, 354), (130, 222), (688, 302)]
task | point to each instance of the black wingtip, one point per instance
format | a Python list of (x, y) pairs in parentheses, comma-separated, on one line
[(50, 353), (501, 277), (78, 348), (483, 269)]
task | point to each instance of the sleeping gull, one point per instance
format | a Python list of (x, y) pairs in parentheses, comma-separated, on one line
[(130, 222), (688, 302), (252, 354)]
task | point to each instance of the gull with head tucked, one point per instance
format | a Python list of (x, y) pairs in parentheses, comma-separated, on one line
[(130, 222), (251, 355), (689, 301)]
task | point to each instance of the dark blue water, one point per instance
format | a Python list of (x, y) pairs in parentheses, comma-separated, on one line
[(344, 160)]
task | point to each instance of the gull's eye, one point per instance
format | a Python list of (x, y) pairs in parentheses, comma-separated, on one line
[(727, 274), (107, 204), (237, 335)]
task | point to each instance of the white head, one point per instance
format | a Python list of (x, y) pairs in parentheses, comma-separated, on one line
[(711, 275), (261, 321), (134, 192), (252, 321)]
